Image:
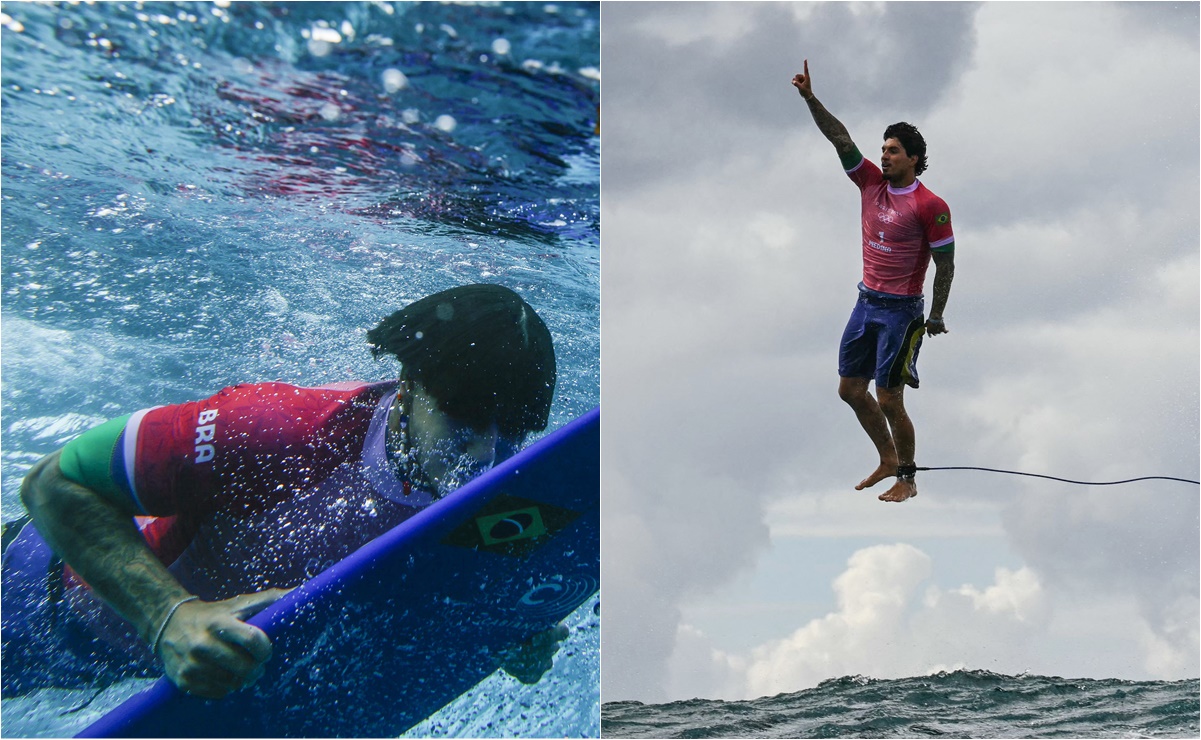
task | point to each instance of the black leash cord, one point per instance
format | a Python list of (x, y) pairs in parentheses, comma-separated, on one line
[(1068, 480)]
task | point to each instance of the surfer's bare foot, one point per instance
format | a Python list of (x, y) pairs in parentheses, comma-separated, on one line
[(903, 489), (886, 470)]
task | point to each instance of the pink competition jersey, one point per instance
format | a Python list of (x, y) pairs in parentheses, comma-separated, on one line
[(900, 227), (264, 485)]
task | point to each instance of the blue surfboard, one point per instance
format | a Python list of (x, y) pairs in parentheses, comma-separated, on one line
[(416, 617)]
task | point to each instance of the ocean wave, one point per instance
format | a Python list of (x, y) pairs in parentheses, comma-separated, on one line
[(963, 703)]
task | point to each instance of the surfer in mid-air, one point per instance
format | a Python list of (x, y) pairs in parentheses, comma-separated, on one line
[(156, 534), (904, 227)]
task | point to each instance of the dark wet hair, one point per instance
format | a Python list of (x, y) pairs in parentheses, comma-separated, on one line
[(911, 139), (480, 350)]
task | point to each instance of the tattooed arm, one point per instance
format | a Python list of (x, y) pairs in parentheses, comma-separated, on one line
[(206, 647), (830, 126), (944, 273)]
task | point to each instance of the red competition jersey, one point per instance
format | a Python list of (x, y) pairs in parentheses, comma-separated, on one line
[(900, 227), (264, 485)]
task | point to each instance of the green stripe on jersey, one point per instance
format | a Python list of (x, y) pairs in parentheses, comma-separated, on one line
[(88, 458), (851, 158)]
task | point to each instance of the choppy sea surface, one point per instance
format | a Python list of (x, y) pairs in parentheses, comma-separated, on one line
[(200, 194), (976, 704)]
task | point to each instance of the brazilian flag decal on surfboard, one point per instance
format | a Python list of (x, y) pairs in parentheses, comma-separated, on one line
[(510, 525)]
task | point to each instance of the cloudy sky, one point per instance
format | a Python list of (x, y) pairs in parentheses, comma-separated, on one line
[(738, 561)]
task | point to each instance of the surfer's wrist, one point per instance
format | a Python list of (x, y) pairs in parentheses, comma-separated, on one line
[(158, 636)]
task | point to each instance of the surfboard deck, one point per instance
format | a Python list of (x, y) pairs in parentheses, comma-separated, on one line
[(413, 619)]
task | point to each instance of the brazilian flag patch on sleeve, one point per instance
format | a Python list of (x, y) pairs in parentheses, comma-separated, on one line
[(943, 218)]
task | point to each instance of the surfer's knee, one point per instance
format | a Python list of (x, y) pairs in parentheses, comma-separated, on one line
[(853, 390), (892, 401)]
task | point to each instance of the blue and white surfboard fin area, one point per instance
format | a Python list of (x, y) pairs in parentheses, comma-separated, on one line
[(418, 616)]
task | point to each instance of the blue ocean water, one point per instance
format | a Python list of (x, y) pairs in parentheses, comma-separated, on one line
[(977, 704), (200, 194)]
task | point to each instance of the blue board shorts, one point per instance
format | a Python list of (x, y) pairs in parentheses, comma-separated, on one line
[(45, 642), (882, 339)]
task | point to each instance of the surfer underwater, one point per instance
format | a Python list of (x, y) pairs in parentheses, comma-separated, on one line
[(905, 225), (155, 534)]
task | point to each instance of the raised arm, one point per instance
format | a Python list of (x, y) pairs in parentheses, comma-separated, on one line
[(205, 648), (830, 126)]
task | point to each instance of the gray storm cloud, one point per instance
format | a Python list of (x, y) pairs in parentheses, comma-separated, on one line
[(710, 90)]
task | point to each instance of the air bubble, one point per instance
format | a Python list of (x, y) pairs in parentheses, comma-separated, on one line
[(395, 80)]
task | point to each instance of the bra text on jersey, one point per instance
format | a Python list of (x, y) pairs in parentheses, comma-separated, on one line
[(205, 430)]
